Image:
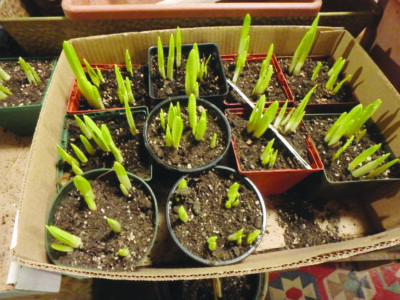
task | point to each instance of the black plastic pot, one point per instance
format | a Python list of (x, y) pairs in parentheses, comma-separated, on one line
[(100, 174), (242, 180), (215, 63), (183, 100)]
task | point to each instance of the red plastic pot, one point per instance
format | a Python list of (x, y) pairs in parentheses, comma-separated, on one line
[(76, 96), (254, 58), (321, 107), (277, 181)]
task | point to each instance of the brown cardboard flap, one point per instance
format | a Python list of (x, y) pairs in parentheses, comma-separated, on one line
[(378, 223)]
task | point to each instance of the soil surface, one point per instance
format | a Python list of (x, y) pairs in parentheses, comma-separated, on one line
[(302, 84), (24, 93), (317, 127), (204, 201), (100, 244), (190, 153), (247, 80), (213, 84), (233, 288), (108, 90), (135, 156), (249, 148)]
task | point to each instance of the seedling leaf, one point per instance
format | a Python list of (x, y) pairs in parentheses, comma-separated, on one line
[(64, 237), (86, 191)]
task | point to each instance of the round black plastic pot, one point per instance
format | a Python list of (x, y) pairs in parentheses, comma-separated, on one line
[(183, 101), (242, 180), (98, 174), (205, 50)]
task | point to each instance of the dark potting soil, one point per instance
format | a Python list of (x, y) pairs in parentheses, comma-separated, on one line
[(302, 84), (233, 288), (100, 244), (302, 219), (190, 153), (164, 88), (250, 148), (247, 80), (317, 127), (133, 151), (24, 93), (204, 201), (108, 90)]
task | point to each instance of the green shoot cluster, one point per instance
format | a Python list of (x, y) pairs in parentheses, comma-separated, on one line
[(260, 120), (269, 155), (372, 168), (265, 74), (124, 89), (88, 90), (196, 70), (171, 55), (349, 124), (174, 127), (233, 196), (333, 74), (68, 240), (30, 73), (303, 49), (95, 76), (199, 127), (125, 183), (243, 48)]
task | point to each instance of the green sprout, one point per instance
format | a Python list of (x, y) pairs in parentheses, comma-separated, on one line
[(269, 155), (78, 152), (182, 185), (114, 225), (123, 252), (237, 237), (178, 47), (30, 73), (89, 91), (96, 133), (129, 118), (171, 58), (110, 143), (64, 236), (201, 126), (162, 119), (67, 157), (213, 142), (86, 191), (4, 76), (341, 149), (363, 156), (251, 237), (243, 46), (333, 73), (128, 86), (382, 168), (203, 68), (316, 71), (61, 247), (259, 121), (369, 167), (212, 242), (92, 73), (125, 183), (293, 119), (121, 90), (191, 84), (340, 84), (160, 54), (279, 118), (174, 127), (233, 196), (263, 80), (4, 92), (183, 214), (128, 62), (99, 75), (303, 49), (89, 148), (350, 123), (192, 113), (83, 127)]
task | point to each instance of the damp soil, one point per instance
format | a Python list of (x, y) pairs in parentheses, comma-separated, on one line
[(248, 148), (233, 288), (133, 151), (337, 171), (247, 80), (204, 201), (190, 153), (135, 213), (108, 89), (212, 85), (305, 223), (24, 93), (302, 84)]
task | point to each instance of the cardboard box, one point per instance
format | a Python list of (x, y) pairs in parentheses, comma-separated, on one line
[(371, 224)]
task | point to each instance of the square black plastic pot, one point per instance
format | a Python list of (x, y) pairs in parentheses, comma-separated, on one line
[(215, 62)]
